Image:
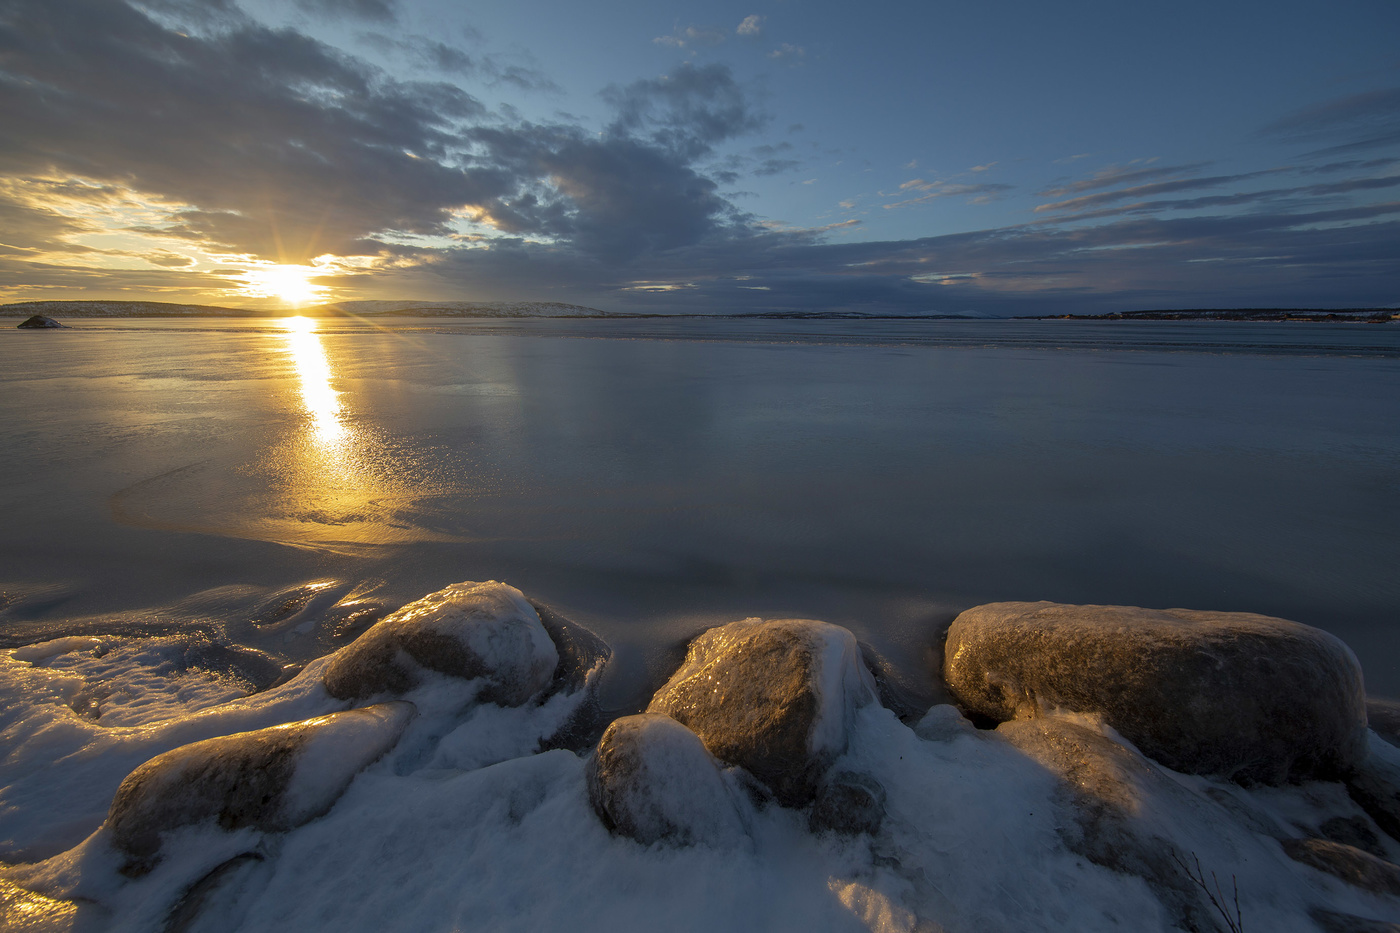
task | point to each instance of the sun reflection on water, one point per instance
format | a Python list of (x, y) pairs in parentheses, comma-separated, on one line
[(314, 370)]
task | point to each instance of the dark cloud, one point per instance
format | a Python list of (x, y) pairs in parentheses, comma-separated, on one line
[(381, 10), (285, 148), (687, 112)]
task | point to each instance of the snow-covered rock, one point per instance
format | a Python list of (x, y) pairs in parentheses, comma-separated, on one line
[(1354, 866), (1242, 696), (652, 780), (1383, 716), (582, 656), (467, 630), (1106, 790), (848, 802), (270, 779), (776, 698)]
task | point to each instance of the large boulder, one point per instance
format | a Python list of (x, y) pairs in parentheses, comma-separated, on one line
[(468, 630), (652, 780), (270, 779), (1354, 866), (776, 698), (1232, 694)]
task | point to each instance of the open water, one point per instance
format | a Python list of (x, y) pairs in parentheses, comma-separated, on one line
[(650, 478)]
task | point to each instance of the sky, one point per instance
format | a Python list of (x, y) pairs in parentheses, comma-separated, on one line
[(994, 158)]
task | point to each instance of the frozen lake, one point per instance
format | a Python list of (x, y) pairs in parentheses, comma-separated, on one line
[(651, 478)]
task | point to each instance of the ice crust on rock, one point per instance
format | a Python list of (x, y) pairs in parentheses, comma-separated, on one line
[(1242, 696), (652, 780), (775, 698), (270, 779), (467, 630)]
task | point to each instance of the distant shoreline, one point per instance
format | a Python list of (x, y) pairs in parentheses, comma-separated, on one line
[(560, 310)]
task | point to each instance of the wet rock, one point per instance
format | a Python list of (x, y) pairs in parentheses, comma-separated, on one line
[(652, 780), (848, 803), (1232, 694), (775, 698), (270, 779), (1352, 865), (468, 630), (1383, 716), (39, 321), (1103, 786)]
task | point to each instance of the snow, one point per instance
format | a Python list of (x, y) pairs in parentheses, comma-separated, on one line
[(465, 825)]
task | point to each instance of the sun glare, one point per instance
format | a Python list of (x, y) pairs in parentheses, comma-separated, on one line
[(289, 284)]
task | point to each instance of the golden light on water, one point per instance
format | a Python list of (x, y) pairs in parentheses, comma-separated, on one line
[(322, 402)]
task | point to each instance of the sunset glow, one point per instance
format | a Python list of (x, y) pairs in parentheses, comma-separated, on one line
[(289, 284)]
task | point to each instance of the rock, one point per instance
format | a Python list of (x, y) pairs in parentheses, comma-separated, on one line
[(582, 656), (1383, 716), (776, 698), (652, 780), (1352, 865), (1353, 831), (1241, 696), (39, 321), (1104, 786), (1375, 787), (468, 630), (848, 803), (1332, 921), (270, 779), (943, 723)]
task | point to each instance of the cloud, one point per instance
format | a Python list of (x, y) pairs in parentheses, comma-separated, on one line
[(381, 10), (1119, 175), (979, 193), (789, 52), (692, 36), (1354, 122), (751, 26), (1142, 191), (266, 143)]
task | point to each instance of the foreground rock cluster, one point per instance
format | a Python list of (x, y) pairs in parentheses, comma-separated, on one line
[(762, 713)]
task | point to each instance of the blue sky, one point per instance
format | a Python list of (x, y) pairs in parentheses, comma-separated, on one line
[(995, 158)]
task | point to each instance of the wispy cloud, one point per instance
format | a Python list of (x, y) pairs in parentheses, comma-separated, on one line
[(692, 36), (1355, 122), (751, 26), (789, 52)]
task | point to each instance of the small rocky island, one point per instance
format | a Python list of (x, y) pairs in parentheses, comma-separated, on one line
[(1099, 768), (38, 321)]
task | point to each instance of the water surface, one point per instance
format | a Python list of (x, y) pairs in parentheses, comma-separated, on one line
[(652, 477)]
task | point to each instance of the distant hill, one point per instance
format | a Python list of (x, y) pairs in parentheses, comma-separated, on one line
[(109, 309), (1366, 315)]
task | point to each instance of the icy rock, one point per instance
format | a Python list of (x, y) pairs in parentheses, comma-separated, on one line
[(652, 780), (849, 803), (943, 723), (1352, 865), (776, 698), (1104, 785), (581, 657), (1352, 831), (270, 779), (468, 630), (1375, 786), (39, 321), (1383, 716), (1241, 696)]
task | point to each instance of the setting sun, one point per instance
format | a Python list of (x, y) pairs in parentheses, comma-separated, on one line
[(290, 284)]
